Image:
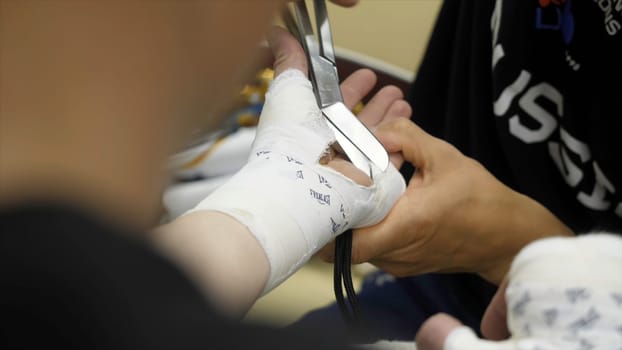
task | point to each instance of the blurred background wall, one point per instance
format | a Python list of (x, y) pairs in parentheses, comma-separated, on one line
[(394, 31)]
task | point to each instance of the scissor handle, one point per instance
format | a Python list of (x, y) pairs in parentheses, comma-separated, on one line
[(322, 69)]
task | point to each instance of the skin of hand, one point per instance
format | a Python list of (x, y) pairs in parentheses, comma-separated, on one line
[(219, 253), (454, 216)]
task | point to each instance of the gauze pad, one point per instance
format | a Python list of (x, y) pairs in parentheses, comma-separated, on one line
[(291, 203)]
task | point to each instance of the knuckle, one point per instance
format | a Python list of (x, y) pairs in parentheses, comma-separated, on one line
[(402, 124), (401, 108), (370, 74), (446, 150), (392, 91)]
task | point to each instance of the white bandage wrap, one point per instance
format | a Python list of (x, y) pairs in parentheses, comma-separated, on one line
[(564, 293), (291, 203)]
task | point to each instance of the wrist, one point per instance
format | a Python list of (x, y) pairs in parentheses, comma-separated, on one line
[(527, 221), (220, 255)]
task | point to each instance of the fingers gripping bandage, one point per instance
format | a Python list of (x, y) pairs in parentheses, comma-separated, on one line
[(291, 203)]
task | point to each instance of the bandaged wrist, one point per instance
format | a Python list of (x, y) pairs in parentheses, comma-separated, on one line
[(291, 203)]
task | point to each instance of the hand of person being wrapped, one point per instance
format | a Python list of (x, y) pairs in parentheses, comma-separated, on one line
[(286, 195)]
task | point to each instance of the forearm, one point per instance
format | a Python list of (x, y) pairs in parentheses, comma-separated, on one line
[(220, 254)]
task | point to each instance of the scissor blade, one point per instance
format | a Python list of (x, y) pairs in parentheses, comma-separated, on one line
[(356, 157), (357, 134), (325, 35)]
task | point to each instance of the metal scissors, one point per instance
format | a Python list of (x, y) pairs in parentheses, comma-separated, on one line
[(356, 141)]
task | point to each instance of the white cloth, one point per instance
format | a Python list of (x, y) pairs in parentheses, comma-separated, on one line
[(291, 203), (216, 158), (213, 163), (563, 294), (389, 345)]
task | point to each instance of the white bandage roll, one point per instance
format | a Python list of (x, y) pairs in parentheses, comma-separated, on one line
[(563, 293), (291, 203)]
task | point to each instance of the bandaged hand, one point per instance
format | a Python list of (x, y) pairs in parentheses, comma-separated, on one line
[(563, 293), (291, 202)]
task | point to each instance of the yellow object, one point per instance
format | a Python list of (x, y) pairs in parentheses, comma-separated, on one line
[(254, 92), (358, 108)]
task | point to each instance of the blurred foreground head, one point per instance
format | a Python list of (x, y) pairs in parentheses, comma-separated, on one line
[(95, 94)]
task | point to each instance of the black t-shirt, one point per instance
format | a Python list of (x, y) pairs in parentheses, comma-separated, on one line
[(70, 281), (533, 90)]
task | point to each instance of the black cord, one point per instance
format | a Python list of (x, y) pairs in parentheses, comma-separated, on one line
[(337, 277), (347, 277), (342, 277)]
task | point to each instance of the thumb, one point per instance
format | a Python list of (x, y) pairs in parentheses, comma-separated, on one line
[(370, 243), (494, 323), (434, 331), (287, 52), (418, 147)]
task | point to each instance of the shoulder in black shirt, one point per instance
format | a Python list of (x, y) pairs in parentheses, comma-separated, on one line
[(70, 281)]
